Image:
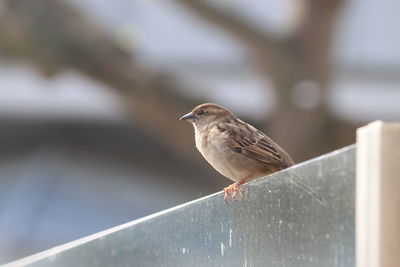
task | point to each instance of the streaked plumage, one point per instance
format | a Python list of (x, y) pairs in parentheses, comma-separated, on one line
[(234, 148)]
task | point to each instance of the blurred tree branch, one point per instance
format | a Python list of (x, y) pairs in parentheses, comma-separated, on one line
[(302, 56), (64, 38), (53, 36), (231, 23)]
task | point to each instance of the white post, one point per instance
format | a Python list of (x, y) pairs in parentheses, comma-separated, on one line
[(378, 195)]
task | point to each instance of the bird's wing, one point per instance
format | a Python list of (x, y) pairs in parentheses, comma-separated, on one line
[(247, 140)]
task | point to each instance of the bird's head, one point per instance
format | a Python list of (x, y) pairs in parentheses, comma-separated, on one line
[(206, 114)]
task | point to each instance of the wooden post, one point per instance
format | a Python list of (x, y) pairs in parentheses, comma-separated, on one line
[(378, 195)]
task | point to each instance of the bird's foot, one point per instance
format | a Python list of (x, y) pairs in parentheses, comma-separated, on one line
[(232, 189)]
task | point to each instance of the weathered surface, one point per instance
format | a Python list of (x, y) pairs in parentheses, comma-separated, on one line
[(278, 222)]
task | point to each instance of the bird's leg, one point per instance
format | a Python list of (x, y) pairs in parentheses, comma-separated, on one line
[(230, 189), (238, 184), (234, 189), (226, 194)]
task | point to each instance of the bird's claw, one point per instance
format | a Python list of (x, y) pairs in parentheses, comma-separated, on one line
[(232, 189)]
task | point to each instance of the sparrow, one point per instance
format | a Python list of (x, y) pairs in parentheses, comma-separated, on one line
[(236, 149)]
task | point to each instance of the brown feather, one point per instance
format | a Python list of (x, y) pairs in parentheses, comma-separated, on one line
[(255, 146), (234, 148)]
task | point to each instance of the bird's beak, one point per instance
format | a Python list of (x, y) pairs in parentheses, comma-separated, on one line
[(188, 117)]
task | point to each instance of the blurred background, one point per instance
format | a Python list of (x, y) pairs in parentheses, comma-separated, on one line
[(91, 92)]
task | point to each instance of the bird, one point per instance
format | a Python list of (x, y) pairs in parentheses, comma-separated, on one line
[(236, 149)]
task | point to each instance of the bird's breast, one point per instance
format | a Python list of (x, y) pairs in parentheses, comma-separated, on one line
[(215, 150)]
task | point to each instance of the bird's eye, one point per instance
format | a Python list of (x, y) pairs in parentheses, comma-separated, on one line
[(200, 112)]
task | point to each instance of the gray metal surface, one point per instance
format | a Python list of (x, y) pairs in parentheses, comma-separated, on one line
[(303, 216)]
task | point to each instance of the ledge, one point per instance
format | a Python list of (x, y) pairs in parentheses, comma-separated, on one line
[(302, 216)]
